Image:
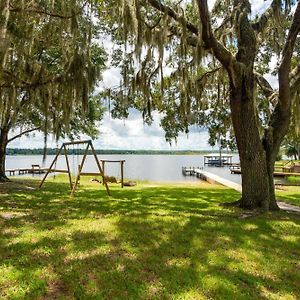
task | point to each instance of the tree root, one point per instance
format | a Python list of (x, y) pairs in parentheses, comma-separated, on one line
[(4, 179), (231, 204), (273, 206)]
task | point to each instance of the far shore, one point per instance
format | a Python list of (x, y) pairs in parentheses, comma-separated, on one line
[(52, 151)]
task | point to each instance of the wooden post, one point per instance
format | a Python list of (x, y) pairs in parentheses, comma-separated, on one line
[(48, 171), (68, 166), (103, 168), (80, 168), (79, 172), (100, 169), (220, 157), (122, 173)]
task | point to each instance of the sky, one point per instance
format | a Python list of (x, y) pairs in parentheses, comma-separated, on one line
[(130, 134), (133, 133)]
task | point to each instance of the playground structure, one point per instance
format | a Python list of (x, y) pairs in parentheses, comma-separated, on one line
[(64, 150)]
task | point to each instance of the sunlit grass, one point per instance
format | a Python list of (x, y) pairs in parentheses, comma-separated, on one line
[(151, 241), (294, 179), (289, 194)]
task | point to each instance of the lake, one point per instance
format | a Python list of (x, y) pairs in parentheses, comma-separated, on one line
[(165, 168)]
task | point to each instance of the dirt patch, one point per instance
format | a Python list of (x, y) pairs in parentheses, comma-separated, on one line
[(12, 186), (7, 216), (249, 214), (55, 290), (11, 215)]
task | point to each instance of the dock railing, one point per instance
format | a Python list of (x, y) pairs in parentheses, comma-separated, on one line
[(190, 170)]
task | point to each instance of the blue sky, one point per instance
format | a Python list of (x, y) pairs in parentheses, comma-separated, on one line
[(132, 133)]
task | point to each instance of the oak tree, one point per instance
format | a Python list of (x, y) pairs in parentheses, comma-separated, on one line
[(49, 67), (189, 60)]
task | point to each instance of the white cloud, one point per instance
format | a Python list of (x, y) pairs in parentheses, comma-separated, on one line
[(128, 134), (134, 134), (259, 6), (111, 78), (273, 80)]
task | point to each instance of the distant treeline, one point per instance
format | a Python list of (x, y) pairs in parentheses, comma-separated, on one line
[(79, 151)]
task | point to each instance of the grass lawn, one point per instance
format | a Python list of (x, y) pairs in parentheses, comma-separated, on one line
[(294, 179), (289, 194), (151, 241)]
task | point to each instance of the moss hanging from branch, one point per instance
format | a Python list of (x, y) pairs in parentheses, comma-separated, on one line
[(50, 67)]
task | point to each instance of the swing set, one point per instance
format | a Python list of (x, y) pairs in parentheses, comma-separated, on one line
[(64, 149)]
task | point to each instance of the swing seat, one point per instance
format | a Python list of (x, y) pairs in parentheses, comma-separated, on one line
[(111, 179), (95, 180)]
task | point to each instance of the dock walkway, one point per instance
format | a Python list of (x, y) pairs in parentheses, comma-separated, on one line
[(210, 177), (276, 173), (22, 171)]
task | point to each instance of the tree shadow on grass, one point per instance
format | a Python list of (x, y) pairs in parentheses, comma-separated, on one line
[(48, 204), (210, 256), (154, 243)]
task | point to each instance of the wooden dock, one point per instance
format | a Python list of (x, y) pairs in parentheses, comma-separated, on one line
[(276, 173), (210, 177), (22, 171)]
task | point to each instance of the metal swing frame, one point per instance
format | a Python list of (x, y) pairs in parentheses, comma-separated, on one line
[(80, 173)]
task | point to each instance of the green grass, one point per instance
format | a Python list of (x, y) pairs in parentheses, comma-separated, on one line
[(286, 162), (289, 194), (294, 179), (151, 241)]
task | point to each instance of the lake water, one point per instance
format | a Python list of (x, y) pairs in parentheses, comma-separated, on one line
[(167, 168)]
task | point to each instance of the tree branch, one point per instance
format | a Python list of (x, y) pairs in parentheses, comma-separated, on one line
[(171, 13), (219, 51), (22, 133), (280, 118), (295, 73), (295, 79), (285, 65), (207, 74), (191, 39), (4, 6), (264, 85), (246, 39), (39, 11), (25, 84), (211, 43)]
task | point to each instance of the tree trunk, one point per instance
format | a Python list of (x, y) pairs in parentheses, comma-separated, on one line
[(271, 158), (3, 144), (257, 151), (257, 165)]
